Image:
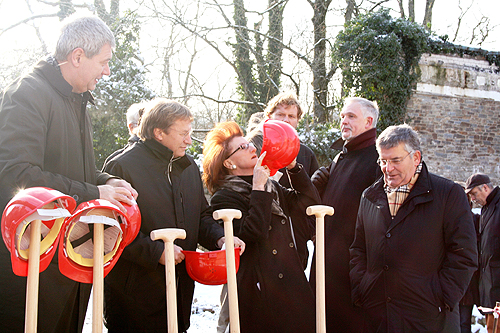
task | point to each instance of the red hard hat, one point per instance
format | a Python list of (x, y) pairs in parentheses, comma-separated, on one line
[(76, 248), (209, 267), (49, 206), (281, 142)]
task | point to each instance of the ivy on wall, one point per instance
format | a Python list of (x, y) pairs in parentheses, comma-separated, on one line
[(441, 45), (379, 56)]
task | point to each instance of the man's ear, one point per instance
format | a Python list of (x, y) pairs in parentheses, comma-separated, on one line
[(417, 157), (158, 133), (76, 56), (369, 122)]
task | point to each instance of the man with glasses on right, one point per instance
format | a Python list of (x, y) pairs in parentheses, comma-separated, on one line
[(414, 250)]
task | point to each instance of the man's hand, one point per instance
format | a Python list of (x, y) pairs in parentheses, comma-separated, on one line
[(116, 191), (237, 243), (178, 255), (320, 177)]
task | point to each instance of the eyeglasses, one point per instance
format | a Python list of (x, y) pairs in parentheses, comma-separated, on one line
[(184, 134), (243, 146), (394, 161)]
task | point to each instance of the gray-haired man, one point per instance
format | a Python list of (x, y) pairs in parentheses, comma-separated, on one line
[(46, 140), (414, 250)]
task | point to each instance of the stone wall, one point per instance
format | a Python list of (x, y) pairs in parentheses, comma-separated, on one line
[(456, 110)]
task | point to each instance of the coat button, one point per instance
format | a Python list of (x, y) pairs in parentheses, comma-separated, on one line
[(280, 275), (386, 268), (76, 197), (388, 299), (270, 227), (283, 221), (275, 251), (291, 244), (388, 235)]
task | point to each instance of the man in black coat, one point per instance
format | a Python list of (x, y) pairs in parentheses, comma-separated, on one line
[(170, 196), (340, 186), (286, 107), (414, 250), (46, 140), (482, 192)]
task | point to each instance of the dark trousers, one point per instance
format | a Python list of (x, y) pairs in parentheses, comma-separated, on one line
[(465, 318)]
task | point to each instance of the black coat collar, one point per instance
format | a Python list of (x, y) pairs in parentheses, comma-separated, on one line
[(363, 140), (164, 154)]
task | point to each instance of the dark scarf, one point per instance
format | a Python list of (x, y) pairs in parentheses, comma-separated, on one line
[(240, 185), (363, 140)]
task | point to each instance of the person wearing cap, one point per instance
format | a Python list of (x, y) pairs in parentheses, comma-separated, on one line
[(171, 195), (273, 292), (286, 107), (414, 250), (340, 186), (482, 192), (46, 140)]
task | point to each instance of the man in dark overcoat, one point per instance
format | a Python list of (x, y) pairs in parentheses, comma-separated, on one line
[(482, 192), (340, 185), (46, 140), (414, 250), (286, 107), (170, 196)]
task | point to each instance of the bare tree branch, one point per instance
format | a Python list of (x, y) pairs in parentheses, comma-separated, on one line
[(460, 18), (28, 19), (220, 101)]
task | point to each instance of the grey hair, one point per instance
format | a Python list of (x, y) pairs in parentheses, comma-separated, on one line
[(369, 108), (392, 136), (134, 113), (89, 33)]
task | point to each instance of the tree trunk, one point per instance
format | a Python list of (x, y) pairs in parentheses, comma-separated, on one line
[(401, 8), (349, 10), (427, 23), (320, 82), (242, 54), (411, 10), (275, 49)]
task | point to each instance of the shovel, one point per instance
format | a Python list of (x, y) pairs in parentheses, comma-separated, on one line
[(30, 319), (320, 211), (168, 236), (227, 215)]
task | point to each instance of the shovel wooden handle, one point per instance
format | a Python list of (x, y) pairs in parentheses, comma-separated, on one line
[(32, 284), (320, 211), (227, 215), (98, 279), (168, 236)]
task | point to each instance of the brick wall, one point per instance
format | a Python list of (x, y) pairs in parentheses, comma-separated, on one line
[(456, 110)]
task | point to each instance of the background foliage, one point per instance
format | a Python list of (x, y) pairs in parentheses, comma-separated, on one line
[(124, 87), (378, 56)]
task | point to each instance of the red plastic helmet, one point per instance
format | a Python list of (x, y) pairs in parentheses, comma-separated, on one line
[(49, 206), (209, 267), (76, 247), (281, 142)]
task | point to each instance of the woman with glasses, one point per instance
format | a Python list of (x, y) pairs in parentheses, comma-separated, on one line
[(273, 291)]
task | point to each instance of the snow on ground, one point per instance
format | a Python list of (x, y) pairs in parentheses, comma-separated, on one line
[(204, 312)]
